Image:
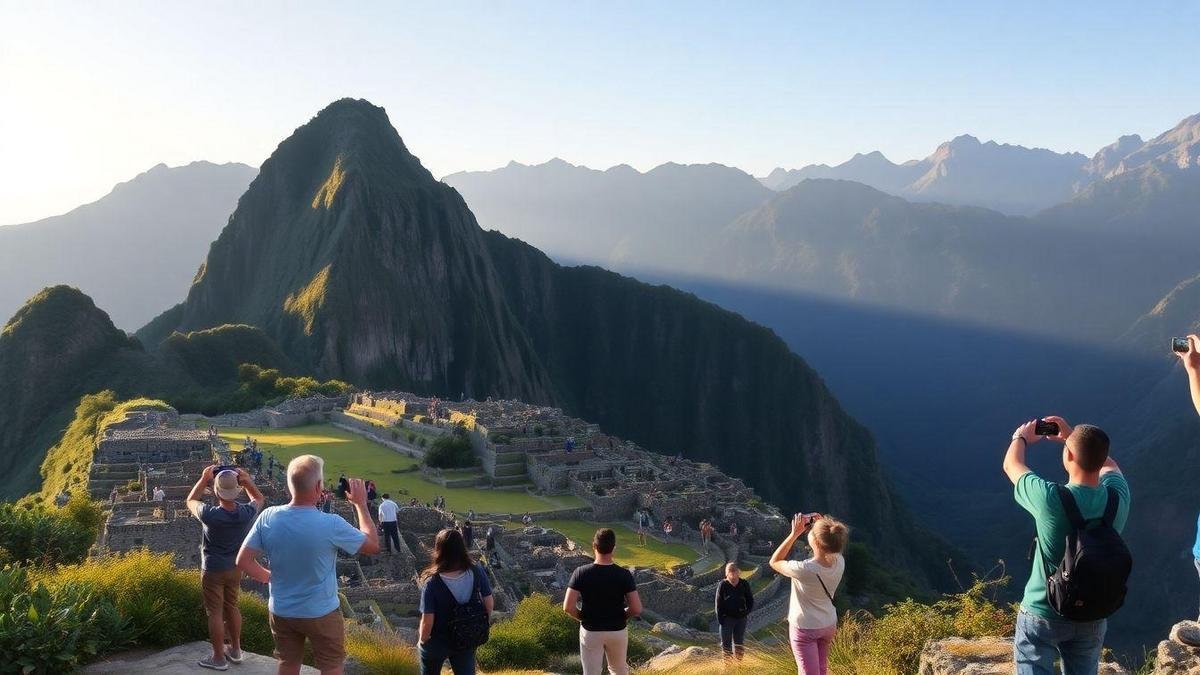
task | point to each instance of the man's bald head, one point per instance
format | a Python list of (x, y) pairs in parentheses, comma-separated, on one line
[(305, 475)]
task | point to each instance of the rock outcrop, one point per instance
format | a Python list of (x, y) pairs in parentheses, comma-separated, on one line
[(680, 659), (1179, 654), (982, 656)]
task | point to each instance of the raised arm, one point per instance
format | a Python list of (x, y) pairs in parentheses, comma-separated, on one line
[(1014, 459), (1191, 364), (779, 558), (252, 491), (358, 497), (194, 503)]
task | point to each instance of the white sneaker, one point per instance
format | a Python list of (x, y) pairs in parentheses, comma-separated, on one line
[(212, 665), (233, 657)]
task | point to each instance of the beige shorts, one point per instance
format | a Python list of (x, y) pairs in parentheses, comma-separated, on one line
[(220, 590), (327, 633)]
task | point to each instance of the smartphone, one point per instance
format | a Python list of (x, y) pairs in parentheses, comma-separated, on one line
[(1044, 428), (1179, 344)]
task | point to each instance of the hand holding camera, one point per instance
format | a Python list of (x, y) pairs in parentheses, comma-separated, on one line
[(1188, 351)]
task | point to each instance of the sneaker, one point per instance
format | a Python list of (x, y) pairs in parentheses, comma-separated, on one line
[(232, 656), (212, 665)]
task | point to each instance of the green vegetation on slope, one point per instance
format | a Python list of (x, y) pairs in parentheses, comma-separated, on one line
[(359, 457), (256, 386), (33, 533), (67, 464)]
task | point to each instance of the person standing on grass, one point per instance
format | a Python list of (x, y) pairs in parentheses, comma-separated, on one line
[(456, 605), (222, 529), (387, 520), (812, 618), (603, 596), (734, 602), (302, 544)]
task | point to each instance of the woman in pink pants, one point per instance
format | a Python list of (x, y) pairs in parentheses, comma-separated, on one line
[(812, 619)]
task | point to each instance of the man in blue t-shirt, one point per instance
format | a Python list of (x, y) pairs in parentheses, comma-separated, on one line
[(301, 544), (224, 527), (1041, 634)]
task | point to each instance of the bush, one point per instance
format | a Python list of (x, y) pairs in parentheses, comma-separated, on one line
[(381, 652), (46, 536), (450, 452), (538, 631), (54, 631), (134, 486)]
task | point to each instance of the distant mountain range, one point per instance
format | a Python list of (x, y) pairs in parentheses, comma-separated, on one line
[(350, 259), (135, 250)]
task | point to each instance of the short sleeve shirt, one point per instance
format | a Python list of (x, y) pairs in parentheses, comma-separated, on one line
[(809, 606), (302, 544), (602, 590), (1040, 498), (223, 532), (436, 601)]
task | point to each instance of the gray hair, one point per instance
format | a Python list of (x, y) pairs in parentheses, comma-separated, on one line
[(304, 473)]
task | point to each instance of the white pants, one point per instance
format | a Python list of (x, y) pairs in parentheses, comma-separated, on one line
[(595, 644)]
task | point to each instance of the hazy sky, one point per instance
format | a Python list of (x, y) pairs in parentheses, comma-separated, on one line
[(92, 93)]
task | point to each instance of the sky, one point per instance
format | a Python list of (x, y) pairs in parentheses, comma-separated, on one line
[(93, 93)]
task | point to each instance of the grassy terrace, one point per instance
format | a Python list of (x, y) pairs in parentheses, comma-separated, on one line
[(362, 458), (629, 552)]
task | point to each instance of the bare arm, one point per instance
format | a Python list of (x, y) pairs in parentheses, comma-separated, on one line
[(489, 603), (571, 603), (247, 561), (426, 628), (1014, 459), (194, 497), (1191, 363), (780, 556), (633, 605), (358, 496), (256, 497)]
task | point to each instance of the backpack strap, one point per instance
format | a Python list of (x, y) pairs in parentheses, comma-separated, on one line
[(1070, 507), (823, 586), (1110, 509)]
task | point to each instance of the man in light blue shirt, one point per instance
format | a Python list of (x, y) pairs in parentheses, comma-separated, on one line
[(301, 544)]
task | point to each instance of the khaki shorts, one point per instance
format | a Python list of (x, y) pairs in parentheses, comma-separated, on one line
[(327, 633), (220, 590)]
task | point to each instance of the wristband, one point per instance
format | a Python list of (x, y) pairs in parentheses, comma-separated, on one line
[(1019, 437)]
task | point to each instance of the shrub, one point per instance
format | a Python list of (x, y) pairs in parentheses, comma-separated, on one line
[(538, 631), (134, 486), (54, 631), (509, 650), (381, 651), (450, 452), (47, 536)]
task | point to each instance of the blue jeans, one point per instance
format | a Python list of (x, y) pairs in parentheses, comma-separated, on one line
[(1039, 641), (733, 635), (435, 652)]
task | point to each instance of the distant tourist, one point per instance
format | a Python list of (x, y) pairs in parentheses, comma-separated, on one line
[(489, 538), (159, 493), (302, 545), (734, 602), (527, 520), (812, 619), (223, 527), (372, 493), (642, 523), (414, 502), (387, 520), (456, 605), (470, 514), (733, 530), (1095, 498), (1191, 364), (468, 534), (706, 533), (668, 525), (343, 486), (326, 501), (603, 596)]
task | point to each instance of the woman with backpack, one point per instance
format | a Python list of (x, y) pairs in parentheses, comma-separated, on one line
[(456, 603), (812, 619), (734, 602)]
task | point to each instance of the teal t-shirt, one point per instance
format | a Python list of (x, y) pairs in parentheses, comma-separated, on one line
[(1040, 498)]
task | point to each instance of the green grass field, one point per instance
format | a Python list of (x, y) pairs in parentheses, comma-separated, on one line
[(362, 458), (629, 552)]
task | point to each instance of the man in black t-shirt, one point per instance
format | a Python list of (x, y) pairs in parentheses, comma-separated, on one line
[(602, 596)]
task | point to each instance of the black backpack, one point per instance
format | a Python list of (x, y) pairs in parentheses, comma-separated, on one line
[(468, 625), (1089, 584)]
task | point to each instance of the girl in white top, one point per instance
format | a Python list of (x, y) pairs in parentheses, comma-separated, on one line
[(812, 619)]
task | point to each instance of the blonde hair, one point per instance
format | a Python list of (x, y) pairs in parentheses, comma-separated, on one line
[(830, 534), (304, 472)]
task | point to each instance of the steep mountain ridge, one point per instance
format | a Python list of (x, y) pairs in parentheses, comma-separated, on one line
[(135, 249), (379, 275)]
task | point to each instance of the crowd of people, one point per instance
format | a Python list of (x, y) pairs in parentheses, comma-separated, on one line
[(1077, 578)]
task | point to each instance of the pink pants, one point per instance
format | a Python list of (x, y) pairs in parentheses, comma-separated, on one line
[(811, 649)]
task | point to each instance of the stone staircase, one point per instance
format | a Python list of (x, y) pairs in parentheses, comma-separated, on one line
[(102, 478), (511, 470)]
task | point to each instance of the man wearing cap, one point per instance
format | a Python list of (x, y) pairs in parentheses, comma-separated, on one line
[(225, 526)]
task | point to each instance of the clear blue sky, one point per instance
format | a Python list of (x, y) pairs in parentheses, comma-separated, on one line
[(92, 93)]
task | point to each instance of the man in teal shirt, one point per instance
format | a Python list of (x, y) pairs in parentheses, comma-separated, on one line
[(1041, 634)]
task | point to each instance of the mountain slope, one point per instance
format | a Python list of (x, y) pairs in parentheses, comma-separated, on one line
[(619, 218), (135, 250), (379, 275)]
